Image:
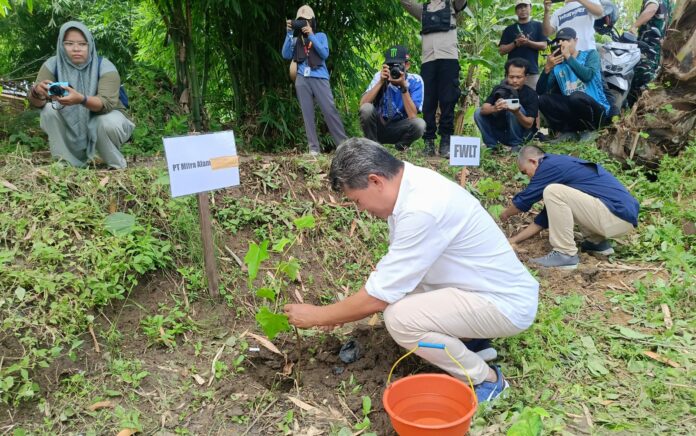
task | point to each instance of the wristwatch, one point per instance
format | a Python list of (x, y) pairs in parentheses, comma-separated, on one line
[(84, 100), (404, 89)]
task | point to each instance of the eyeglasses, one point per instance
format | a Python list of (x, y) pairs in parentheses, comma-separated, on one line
[(72, 44)]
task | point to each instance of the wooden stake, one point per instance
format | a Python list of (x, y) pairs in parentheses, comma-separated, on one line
[(462, 176), (208, 245)]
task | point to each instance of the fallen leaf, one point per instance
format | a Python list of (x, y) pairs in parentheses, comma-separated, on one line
[(112, 206), (266, 343), (8, 185), (287, 368), (30, 233), (200, 380), (104, 181), (306, 407), (352, 228), (373, 321), (662, 359), (127, 432), (101, 405), (332, 199), (588, 417), (298, 296), (667, 316)]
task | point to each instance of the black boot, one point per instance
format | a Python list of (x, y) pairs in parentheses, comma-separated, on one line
[(445, 146), (429, 149)]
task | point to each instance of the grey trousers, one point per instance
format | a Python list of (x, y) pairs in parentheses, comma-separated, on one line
[(308, 90), (401, 132), (111, 131)]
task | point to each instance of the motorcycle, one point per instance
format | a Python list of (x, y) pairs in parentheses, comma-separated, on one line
[(619, 58)]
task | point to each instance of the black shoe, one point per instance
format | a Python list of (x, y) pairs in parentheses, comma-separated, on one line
[(400, 147), (603, 248), (445, 146), (429, 149)]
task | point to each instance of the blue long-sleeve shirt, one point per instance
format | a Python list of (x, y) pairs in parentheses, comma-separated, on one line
[(320, 43), (587, 177)]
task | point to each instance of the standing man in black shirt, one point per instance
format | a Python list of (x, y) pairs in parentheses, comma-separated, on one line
[(524, 39)]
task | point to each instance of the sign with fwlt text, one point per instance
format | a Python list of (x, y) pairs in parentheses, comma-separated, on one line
[(200, 163), (465, 151)]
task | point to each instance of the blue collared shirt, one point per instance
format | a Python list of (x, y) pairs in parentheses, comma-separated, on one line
[(587, 177), (391, 105)]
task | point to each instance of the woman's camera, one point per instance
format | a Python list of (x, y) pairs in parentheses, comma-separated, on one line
[(395, 70), (56, 88)]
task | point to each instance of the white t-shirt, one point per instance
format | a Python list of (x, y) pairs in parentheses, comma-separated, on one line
[(578, 18), (439, 237)]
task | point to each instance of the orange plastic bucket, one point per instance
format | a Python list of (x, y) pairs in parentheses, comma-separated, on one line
[(430, 405)]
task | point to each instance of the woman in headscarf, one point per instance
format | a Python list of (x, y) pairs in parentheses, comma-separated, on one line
[(88, 119), (309, 51)]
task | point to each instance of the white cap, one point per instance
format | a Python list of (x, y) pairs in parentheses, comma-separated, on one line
[(305, 12)]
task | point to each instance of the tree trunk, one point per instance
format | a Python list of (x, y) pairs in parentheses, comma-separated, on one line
[(664, 118)]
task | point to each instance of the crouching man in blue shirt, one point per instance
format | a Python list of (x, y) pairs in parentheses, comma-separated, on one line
[(574, 192)]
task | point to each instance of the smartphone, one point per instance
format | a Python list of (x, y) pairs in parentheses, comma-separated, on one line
[(512, 103)]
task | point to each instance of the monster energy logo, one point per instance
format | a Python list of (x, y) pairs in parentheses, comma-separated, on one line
[(393, 52)]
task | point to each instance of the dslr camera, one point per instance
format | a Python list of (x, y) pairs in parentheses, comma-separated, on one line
[(56, 88), (395, 70)]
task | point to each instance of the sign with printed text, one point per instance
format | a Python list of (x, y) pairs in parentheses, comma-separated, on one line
[(200, 163), (465, 151)]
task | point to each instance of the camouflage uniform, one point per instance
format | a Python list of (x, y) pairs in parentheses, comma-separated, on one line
[(652, 34)]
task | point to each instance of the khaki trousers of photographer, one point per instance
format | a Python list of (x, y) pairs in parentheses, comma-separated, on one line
[(111, 130)]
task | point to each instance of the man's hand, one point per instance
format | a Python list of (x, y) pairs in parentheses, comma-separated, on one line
[(565, 51), (552, 61), (384, 74), (508, 212), (547, 6), (302, 315), (288, 25), (72, 98), (500, 105), (521, 41), (400, 82)]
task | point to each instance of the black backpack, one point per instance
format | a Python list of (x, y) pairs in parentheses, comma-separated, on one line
[(122, 96)]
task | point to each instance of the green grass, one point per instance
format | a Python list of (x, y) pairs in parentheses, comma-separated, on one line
[(582, 362)]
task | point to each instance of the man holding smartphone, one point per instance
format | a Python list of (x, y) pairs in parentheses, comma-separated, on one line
[(524, 39), (578, 15), (571, 91), (508, 115)]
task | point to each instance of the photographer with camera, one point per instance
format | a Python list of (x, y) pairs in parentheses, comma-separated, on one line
[(571, 90), (509, 114), (440, 69), (579, 15), (78, 91), (524, 39), (309, 50), (390, 105)]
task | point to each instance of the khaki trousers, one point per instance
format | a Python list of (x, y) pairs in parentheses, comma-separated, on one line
[(567, 206), (444, 316)]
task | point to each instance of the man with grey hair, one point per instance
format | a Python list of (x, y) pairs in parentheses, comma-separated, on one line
[(450, 273), (574, 192)]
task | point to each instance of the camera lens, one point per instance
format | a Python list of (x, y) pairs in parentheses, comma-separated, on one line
[(395, 71), (57, 90)]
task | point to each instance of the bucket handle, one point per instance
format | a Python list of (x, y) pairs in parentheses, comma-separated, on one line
[(439, 347)]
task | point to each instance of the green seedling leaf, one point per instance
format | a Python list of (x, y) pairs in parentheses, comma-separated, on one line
[(272, 323), (529, 423), (119, 223), (266, 293), (495, 211), (632, 334), (344, 431), (20, 293), (363, 425), (6, 256), (289, 268), (280, 245), (253, 258), (589, 344), (305, 222), (162, 180), (366, 405)]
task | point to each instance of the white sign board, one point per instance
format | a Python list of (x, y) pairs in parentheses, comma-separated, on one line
[(465, 151), (200, 163)]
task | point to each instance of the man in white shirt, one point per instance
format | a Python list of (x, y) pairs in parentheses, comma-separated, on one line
[(450, 273), (579, 15)]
